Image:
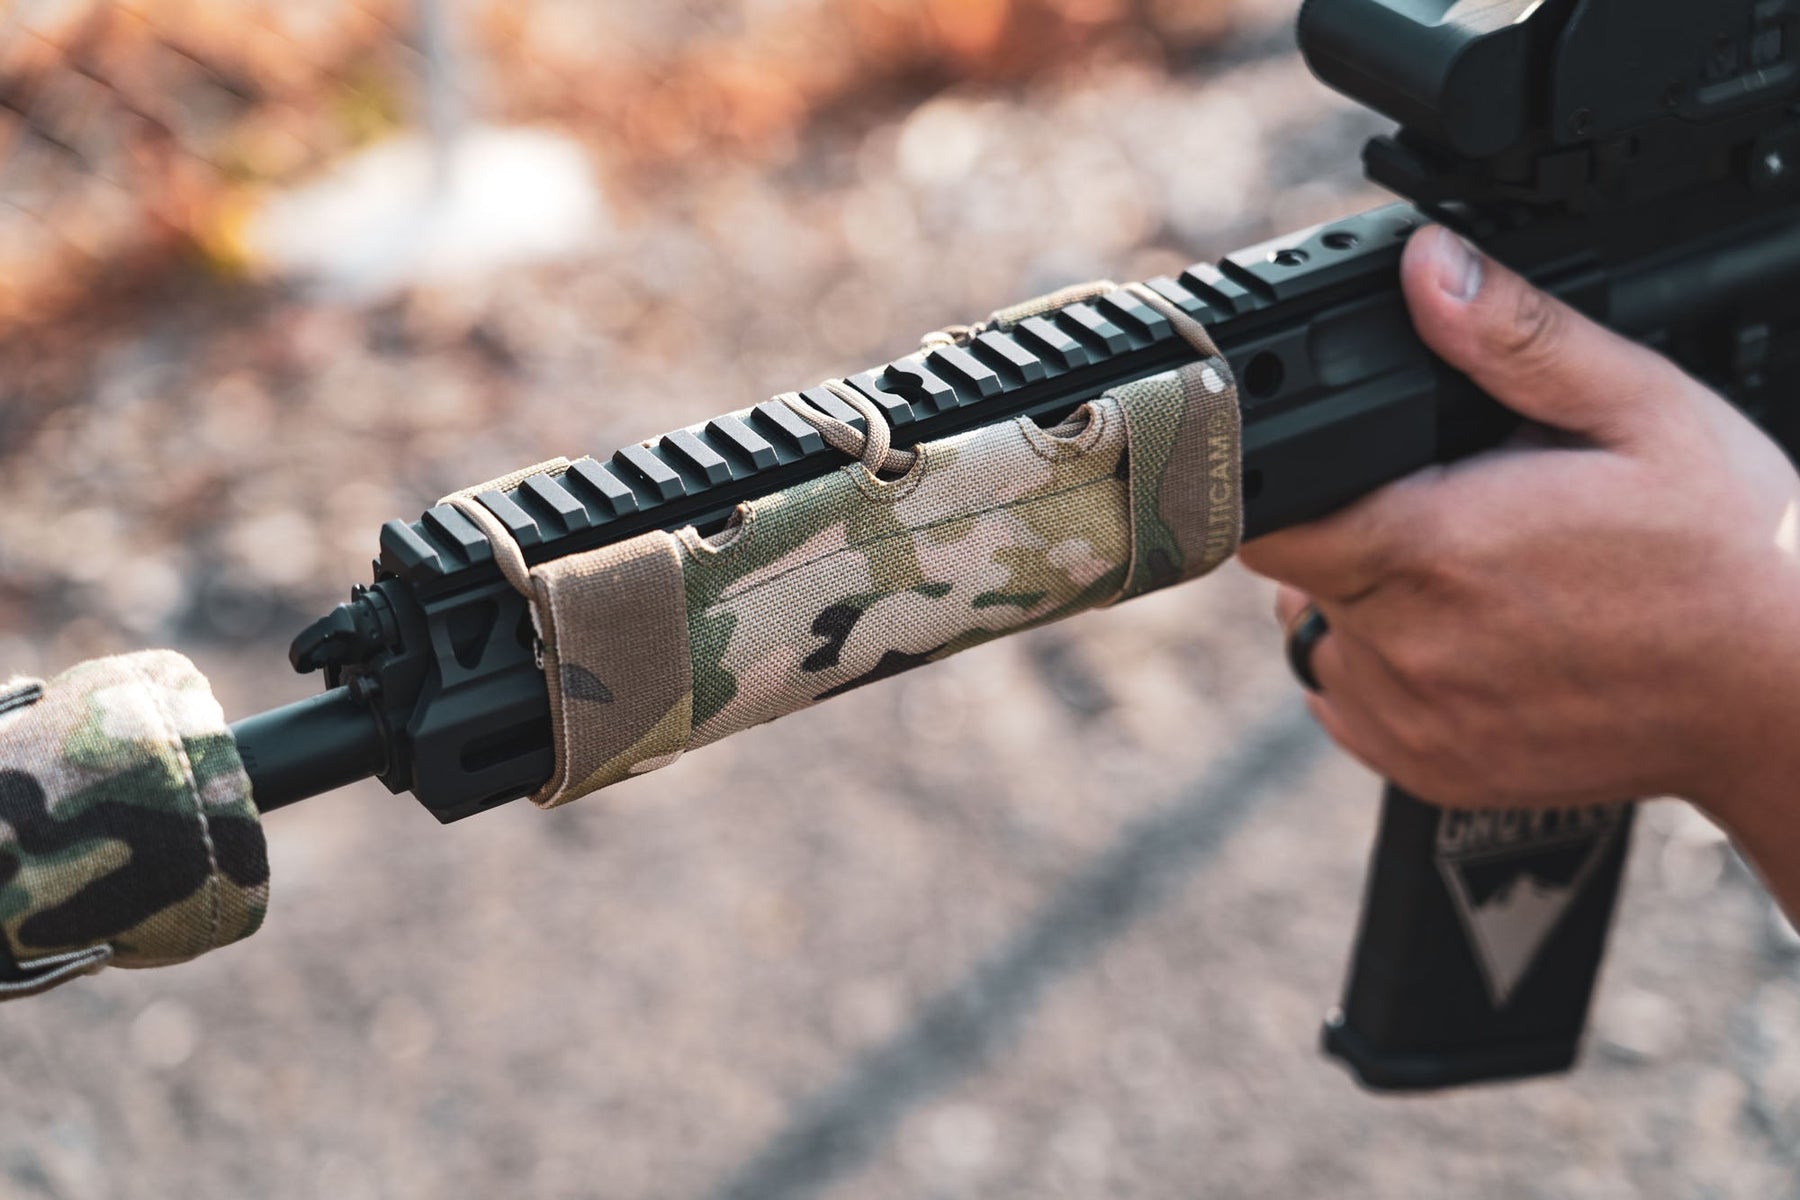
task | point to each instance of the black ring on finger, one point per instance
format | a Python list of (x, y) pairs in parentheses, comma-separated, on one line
[(1303, 637)]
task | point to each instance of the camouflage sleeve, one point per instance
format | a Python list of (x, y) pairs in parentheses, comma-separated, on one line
[(669, 641), (127, 831)]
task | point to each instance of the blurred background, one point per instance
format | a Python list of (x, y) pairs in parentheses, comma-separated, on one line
[(272, 273)]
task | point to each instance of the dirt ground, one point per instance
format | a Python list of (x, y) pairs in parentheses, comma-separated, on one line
[(1058, 917)]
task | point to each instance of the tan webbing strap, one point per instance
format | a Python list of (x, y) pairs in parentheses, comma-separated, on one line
[(507, 554), (613, 641), (1186, 467), (1191, 331), (616, 659)]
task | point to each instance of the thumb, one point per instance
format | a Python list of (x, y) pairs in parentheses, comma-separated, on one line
[(1526, 349)]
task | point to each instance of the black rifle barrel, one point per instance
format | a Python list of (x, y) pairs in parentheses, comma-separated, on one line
[(307, 748)]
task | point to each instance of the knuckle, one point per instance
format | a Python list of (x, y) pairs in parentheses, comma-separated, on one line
[(1408, 534), (1256, 556), (1415, 556), (1416, 660), (1383, 546), (1448, 532), (1277, 556), (1415, 735), (1533, 332)]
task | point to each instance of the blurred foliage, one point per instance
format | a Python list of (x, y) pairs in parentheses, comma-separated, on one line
[(766, 67), (134, 132), (127, 129)]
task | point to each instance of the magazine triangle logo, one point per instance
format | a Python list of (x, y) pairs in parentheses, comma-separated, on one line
[(1513, 877)]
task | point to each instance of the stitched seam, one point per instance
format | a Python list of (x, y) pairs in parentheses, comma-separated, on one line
[(873, 488), (1132, 543), (1053, 449), (701, 547), (913, 529), (172, 732), (553, 654), (20, 693), (55, 969), (889, 491)]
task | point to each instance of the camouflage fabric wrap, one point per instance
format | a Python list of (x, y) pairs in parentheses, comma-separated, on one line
[(1187, 512), (127, 832), (621, 688), (848, 579), (669, 642)]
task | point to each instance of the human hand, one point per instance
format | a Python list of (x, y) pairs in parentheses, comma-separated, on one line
[(1607, 607)]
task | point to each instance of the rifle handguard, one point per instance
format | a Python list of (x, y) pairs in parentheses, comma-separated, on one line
[(668, 641)]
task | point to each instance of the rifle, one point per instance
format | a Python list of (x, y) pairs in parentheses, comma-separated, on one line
[(1639, 159)]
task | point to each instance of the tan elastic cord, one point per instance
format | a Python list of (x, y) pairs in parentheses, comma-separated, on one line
[(1078, 293), (507, 554), (1191, 331), (1005, 318), (612, 641), (875, 448), (617, 662)]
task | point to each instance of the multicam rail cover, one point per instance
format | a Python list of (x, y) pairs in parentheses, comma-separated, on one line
[(669, 641), (127, 831)]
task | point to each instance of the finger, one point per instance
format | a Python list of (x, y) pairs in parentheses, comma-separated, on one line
[(1355, 674), (1344, 556), (1361, 742), (1359, 703), (1290, 605), (1342, 656), (1527, 349), (1374, 750)]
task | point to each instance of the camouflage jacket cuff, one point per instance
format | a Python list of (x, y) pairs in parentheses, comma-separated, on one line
[(127, 830)]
